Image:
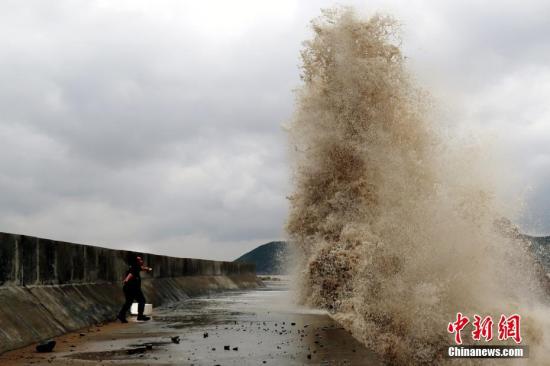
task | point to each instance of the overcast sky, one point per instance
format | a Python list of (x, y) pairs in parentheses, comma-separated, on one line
[(156, 125)]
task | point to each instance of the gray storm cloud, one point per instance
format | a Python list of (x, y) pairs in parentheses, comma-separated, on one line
[(156, 125)]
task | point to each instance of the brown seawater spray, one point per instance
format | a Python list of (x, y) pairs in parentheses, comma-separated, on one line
[(395, 228)]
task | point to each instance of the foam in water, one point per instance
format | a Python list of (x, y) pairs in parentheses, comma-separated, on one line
[(395, 227)]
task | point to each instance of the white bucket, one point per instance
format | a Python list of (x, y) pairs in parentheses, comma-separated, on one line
[(147, 311)]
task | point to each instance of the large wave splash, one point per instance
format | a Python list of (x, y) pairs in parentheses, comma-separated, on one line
[(396, 229)]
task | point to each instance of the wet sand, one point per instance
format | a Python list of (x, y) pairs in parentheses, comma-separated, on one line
[(252, 327)]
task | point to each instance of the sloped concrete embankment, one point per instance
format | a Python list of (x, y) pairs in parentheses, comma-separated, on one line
[(48, 288)]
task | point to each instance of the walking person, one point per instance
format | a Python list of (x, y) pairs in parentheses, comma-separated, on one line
[(132, 290)]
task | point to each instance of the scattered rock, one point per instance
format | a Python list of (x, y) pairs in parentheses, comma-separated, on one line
[(47, 346), (205, 335), (175, 339), (235, 348), (226, 348)]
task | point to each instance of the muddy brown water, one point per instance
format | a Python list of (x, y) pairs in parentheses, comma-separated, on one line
[(252, 327)]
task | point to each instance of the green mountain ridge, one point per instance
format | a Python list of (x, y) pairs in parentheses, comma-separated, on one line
[(270, 259)]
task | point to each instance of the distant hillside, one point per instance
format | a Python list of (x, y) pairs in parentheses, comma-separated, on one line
[(541, 247), (273, 257), (270, 258)]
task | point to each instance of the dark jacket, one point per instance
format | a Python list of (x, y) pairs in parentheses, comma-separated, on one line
[(135, 281)]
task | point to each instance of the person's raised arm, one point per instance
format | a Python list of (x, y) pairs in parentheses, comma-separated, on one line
[(128, 278), (146, 269)]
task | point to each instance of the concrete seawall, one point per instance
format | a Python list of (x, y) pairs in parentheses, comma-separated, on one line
[(48, 287)]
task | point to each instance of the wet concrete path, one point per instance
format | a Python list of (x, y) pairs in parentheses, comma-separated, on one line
[(252, 327)]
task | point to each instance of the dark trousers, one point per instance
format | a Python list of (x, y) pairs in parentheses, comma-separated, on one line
[(132, 293)]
